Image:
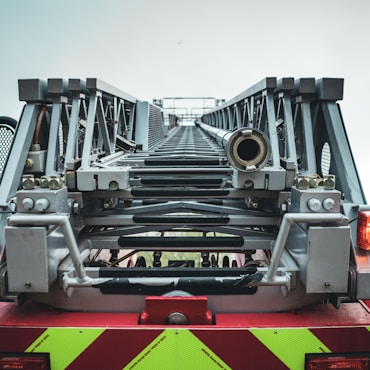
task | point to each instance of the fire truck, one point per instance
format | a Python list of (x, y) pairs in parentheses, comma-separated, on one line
[(135, 238)]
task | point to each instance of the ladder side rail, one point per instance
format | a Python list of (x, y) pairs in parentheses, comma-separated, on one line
[(103, 111), (263, 110), (256, 90), (346, 172), (94, 84)]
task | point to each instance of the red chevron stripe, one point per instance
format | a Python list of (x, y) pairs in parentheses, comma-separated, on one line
[(355, 339), (18, 339), (114, 349), (239, 349)]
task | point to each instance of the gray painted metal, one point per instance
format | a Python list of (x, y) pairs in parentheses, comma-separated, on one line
[(62, 221), (27, 260), (287, 221), (12, 172), (128, 174)]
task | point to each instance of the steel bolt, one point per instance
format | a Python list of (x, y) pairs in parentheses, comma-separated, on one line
[(44, 182), (55, 182), (108, 203), (329, 182), (302, 183), (28, 182), (113, 185), (28, 163), (248, 184), (313, 182), (76, 208)]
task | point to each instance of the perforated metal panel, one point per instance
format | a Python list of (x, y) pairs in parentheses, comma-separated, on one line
[(155, 126), (149, 125), (6, 138)]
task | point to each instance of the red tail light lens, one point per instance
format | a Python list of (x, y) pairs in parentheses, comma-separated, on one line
[(329, 361), (24, 361), (363, 230)]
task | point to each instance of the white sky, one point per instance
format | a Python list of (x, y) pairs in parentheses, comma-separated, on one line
[(156, 48)]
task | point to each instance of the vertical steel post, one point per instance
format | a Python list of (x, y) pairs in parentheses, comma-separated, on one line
[(90, 127), (14, 166), (341, 152), (52, 155), (71, 149)]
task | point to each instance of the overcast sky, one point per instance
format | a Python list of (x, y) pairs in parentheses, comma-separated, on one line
[(152, 49)]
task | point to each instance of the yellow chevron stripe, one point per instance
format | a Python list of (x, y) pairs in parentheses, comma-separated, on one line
[(64, 344), (290, 345), (177, 349)]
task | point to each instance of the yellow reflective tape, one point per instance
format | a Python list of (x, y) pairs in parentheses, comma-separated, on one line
[(176, 349), (64, 344), (290, 345)]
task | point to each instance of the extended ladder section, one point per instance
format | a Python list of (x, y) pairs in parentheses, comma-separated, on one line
[(253, 205)]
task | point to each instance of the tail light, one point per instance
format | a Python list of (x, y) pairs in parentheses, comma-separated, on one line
[(24, 361), (363, 230), (328, 361)]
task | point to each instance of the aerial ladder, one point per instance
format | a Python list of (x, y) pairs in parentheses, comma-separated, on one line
[(247, 228)]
